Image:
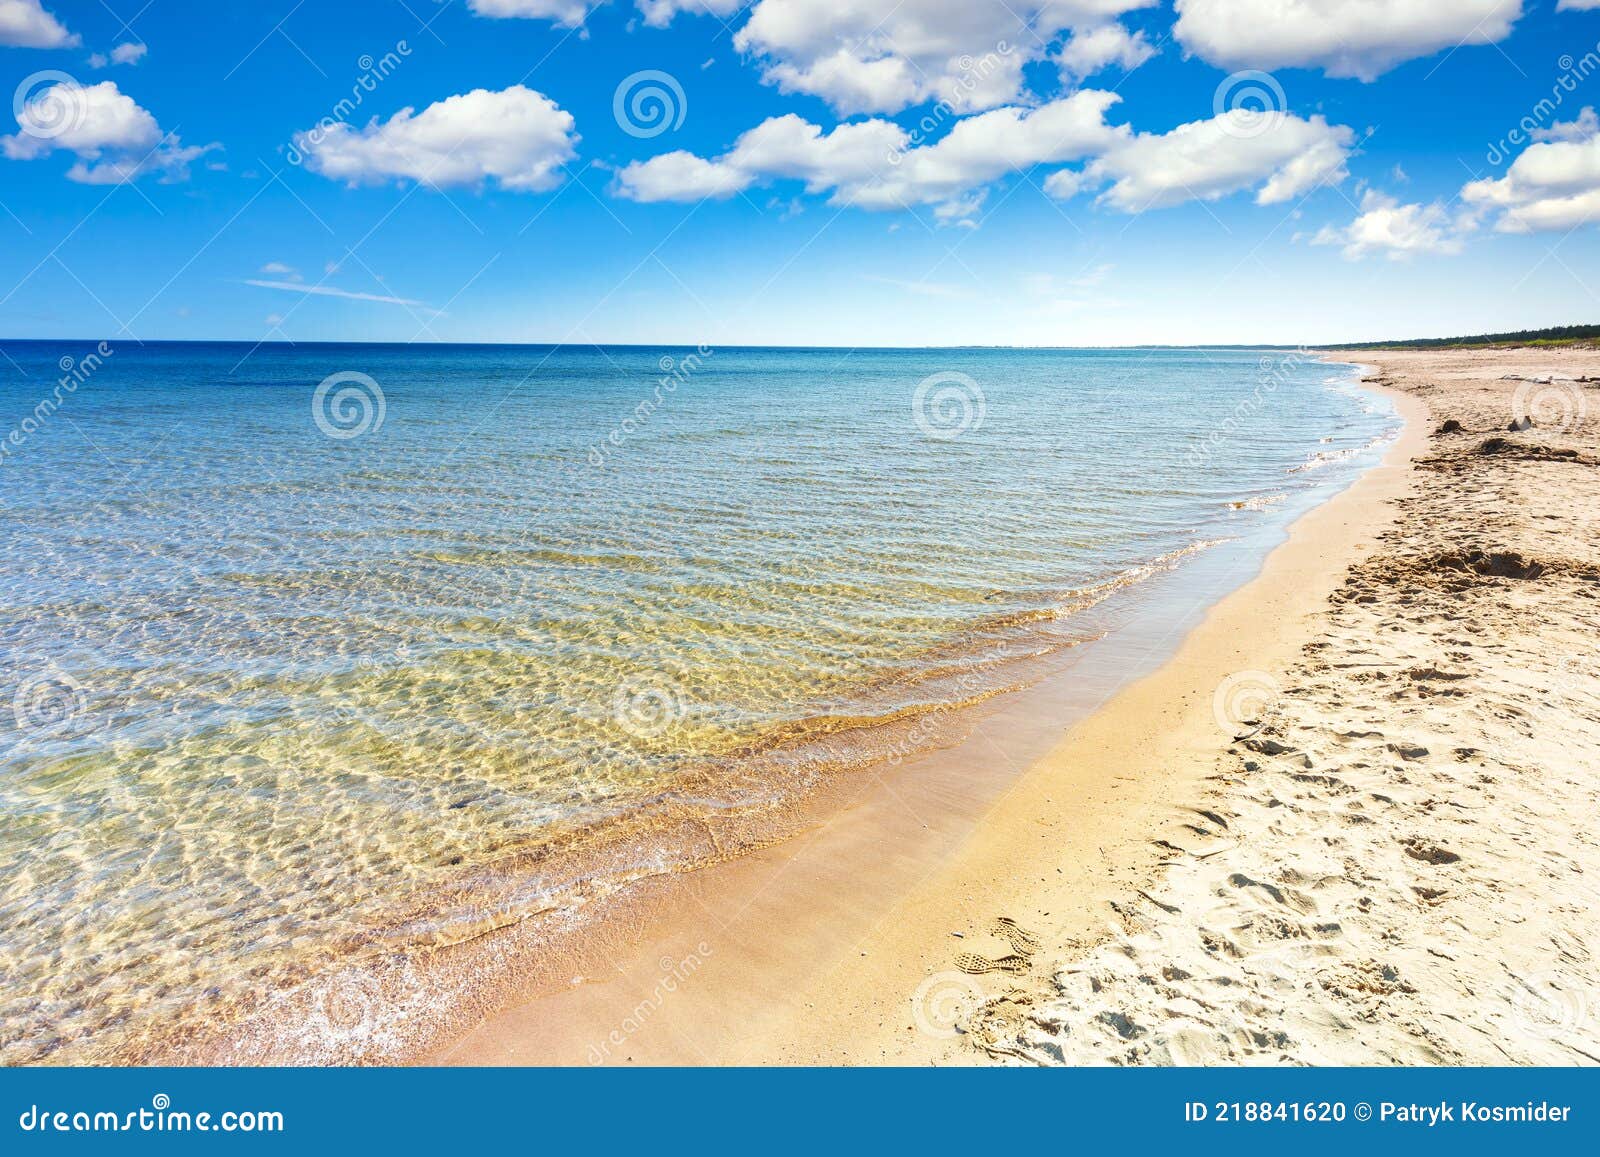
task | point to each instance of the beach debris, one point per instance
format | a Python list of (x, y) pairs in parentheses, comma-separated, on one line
[(1517, 425), (1451, 426)]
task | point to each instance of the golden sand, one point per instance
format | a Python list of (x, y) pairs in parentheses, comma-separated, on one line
[(1348, 822)]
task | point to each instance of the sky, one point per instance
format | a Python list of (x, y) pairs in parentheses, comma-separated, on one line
[(798, 172)]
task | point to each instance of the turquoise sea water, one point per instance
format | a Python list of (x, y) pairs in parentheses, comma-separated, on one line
[(299, 674)]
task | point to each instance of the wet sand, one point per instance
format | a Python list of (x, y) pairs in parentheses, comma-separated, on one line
[(872, 937), (1394, 859)]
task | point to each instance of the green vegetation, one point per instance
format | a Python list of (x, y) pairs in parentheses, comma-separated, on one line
[(1560, 335)]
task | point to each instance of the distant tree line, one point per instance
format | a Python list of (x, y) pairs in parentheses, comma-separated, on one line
[(1559, 334)]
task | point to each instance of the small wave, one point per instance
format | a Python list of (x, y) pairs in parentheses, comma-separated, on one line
[(1328, 457), (1258, 502)]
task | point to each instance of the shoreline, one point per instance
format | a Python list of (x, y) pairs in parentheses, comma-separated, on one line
[(941, 771), (1391, 861), (811, 950)]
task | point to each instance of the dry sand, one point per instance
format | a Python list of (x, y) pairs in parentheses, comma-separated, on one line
[(1396, 862), (1350, 821)]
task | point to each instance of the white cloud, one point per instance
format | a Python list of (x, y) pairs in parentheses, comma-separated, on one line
[(882, 56), (1064, 184), (25, 24), (659, 13), (519, 137), (1554, 184), (329, 291), (113, 138), (1397, 231), (682, 176), (279, 269), (1576, 5), (1345, 38), (1584, 127), (565, 13), (865, 56), (171, 161), (1099, 46), (126, 53), (876, 164), (1281, 157)]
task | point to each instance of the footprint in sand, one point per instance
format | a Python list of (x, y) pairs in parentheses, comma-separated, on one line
[(978, 965), (1023, 945), (1022, 942)]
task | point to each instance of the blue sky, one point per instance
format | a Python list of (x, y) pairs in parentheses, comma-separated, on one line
[(1072, 172)]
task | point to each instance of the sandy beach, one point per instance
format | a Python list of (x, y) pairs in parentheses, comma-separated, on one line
[(1394, 863), (1347, 822)]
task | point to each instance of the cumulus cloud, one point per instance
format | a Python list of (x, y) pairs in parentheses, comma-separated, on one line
[(25, 24), (129, 53), (1281, 157), (882, 56), (1396, 231), (112, 137), (564, 13), (1099, 46), (1345, 38), (876, 164), (1585, 126), (518, 136), (659, 13), (1554, 184), (866, 56)]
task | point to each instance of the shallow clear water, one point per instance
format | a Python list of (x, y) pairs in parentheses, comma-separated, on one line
[(273, 691)]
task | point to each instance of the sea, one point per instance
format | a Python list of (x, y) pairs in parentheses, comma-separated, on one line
[(323, 654)]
